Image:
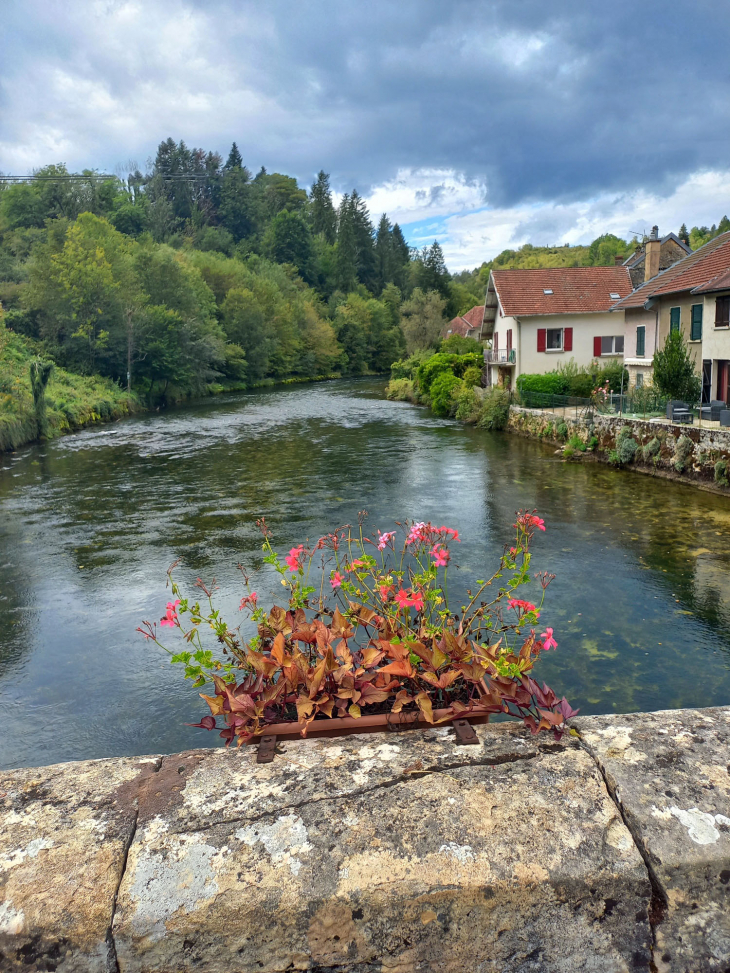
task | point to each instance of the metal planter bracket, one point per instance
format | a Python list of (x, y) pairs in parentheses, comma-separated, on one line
[(267, 749), (465, 733)]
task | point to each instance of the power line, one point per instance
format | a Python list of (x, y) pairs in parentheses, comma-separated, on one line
[(67, 178)]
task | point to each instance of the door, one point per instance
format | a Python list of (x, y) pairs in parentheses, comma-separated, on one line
[(723, 373), (706, 382)]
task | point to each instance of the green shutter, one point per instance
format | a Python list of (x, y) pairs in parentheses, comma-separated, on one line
[(695, 333), (640, 341), (674, 319)]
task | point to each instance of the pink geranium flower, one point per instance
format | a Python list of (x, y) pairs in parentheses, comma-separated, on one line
[(548, 642), (403, 598), (524, 605), (416, 600), (336, 579), (385, 539), (171, 616), (449, 532), (385, 590), (248, 600), (293, 558), (440, 556)]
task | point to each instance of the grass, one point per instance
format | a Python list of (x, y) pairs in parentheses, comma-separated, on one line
[(72, 401)]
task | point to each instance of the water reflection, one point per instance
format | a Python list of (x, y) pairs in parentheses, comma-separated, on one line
[(88, 524)]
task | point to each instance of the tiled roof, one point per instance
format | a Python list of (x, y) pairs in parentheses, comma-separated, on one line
[(464, 323), (574, 289), (474, 317), (696, 270)]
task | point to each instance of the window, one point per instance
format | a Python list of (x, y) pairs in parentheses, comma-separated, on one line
[(615, 297), (612, 345), (674, 318), (546, 290), (639, 380), (722, 312), (695, 328), (554, 339), (640, 344)]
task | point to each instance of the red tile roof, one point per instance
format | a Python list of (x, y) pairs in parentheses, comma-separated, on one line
[(574, 289), (463, 323), (697, 270)]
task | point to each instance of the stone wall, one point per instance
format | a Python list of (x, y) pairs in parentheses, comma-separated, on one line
[(395, 853), (695, 461)]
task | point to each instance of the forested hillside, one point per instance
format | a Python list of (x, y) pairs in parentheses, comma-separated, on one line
[(199, 275)]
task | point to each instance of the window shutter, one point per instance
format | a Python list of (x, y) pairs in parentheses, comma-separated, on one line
[(722, 312), (567, 339), (640, 341), (597, 347), (674, 319), (495, 342), (695, 333), (541, 339)]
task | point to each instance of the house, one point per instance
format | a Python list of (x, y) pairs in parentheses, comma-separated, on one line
[(693, 295), (654, 255), (467, 325), (540, 317)]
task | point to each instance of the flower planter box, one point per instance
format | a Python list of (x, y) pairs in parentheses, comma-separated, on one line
[(377, 723)]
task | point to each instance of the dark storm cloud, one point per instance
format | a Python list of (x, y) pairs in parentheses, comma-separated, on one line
[(539, 100)]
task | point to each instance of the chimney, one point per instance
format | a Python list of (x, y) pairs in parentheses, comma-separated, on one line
[(618, 260), (651, 259)]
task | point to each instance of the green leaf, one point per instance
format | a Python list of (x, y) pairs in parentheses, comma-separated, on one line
[(181, 657)]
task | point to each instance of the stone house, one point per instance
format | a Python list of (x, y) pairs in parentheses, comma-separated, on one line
[(692, 295), (654, 255), (467, 325), (537, 318)]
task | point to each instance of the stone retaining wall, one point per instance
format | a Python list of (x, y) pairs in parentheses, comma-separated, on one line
[(696, 464), (608, 851)]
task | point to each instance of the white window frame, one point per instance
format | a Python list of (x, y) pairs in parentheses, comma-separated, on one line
[(562, 341), (613, 352)]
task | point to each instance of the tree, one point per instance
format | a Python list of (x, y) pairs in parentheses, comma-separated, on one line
[(401, 257), (321, 209), (422, 319), (346, 256), (234, 160), (684, 234), (364, 242), (237, 211), (40, 372), (674, 370), (288, 241), (605, 248), (431, 272), (244, 323), (384, 262)]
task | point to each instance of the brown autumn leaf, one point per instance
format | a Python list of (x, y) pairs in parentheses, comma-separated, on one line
[(354, 711), (424, 704), (401, 667), (371, 657), (305, 708), (215, 703), (444, 680), (278, 651)]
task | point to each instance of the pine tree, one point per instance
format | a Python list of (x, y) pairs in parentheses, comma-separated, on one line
[(401, 256), (724, 225), (322, 211), (234, 161), (684, 234), (346, 259), (384, 263), (432, 274), (674, 370), (364, 242)]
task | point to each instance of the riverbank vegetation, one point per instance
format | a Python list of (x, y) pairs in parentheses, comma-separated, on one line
[(37, 398)]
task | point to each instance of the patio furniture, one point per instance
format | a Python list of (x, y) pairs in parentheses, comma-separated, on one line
[(712, 411), (679, 412), (725, 417)]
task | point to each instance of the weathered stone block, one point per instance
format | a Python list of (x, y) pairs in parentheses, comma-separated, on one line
[(64, 834), (670, 772), (397, 853)]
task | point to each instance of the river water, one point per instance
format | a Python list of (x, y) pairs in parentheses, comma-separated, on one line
[(90, 522)]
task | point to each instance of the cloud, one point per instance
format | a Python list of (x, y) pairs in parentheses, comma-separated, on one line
[(469, 238), (542, 106)]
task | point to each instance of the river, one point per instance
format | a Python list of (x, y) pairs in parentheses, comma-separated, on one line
[(90, 522)]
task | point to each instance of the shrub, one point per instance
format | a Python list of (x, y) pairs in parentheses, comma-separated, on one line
[(400, 390), (576, 443), (613, 457), (552, 383), (592, 442), (456, 344), (674, 370), (626, 449), (683, 452), (473, 376), (381, 638), (467, 402), (441, 392), (721, 472), (568, 452), (652, 450), (562, 430), (494, 412), (408, 367), (438, 364)]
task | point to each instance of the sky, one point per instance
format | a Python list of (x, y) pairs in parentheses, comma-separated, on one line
[(484, 124)]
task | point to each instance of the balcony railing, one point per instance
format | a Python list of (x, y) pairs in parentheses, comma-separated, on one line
[(500, 357)]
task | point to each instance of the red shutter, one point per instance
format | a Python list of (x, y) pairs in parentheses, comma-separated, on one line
[(567, 339), (596, 347), (541, 339)]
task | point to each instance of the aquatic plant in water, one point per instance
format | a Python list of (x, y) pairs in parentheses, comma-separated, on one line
[(368, 628)]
